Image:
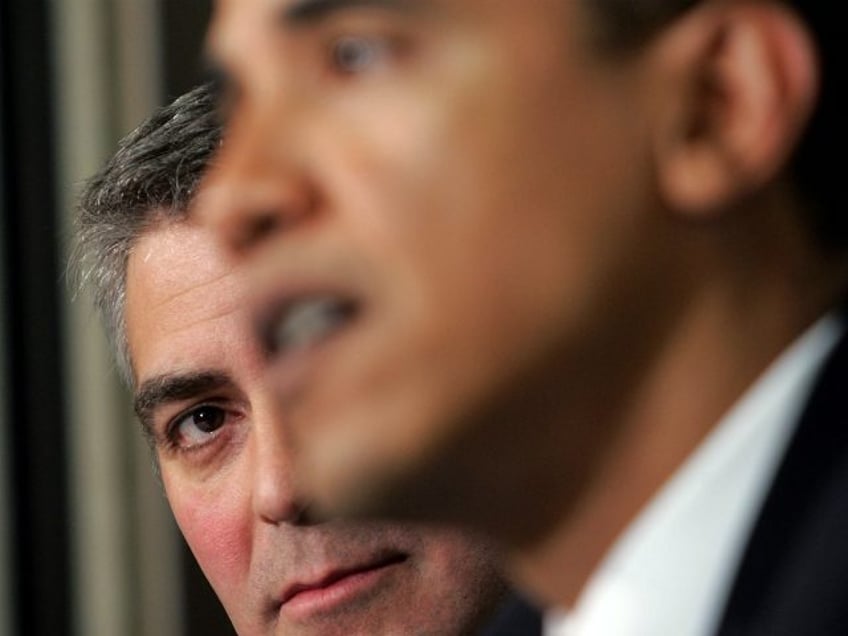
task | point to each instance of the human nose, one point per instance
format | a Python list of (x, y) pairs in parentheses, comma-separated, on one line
[(275, 496), (256, 187)]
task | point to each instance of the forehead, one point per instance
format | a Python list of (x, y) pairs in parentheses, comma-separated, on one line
[(182, 289), (235, 21)]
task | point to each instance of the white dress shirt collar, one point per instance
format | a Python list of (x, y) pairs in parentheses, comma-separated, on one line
[(670, 570)]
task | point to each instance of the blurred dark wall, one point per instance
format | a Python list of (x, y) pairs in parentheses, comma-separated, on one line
[(34, 401), (32, 405), (184, 27)]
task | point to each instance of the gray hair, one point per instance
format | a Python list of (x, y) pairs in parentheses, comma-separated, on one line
[(154, 174), (152, 178)]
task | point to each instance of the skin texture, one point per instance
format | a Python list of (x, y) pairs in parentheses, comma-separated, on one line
[(557, 291), (226, 465), (388, 181)]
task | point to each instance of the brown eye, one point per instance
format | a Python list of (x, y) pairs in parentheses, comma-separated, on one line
[(198, 426)]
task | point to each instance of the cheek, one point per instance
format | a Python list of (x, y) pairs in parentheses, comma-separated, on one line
[(216, 526), (470, 580)]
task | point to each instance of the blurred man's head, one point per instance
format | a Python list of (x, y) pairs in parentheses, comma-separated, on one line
[(177, 312), (491, 240)]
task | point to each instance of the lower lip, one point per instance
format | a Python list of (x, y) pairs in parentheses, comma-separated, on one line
[(292, 370), (311, 603)]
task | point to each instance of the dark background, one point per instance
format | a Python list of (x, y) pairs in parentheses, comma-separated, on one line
[(31, 377)]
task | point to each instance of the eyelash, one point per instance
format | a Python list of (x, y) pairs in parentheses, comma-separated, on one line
[(172, 435)]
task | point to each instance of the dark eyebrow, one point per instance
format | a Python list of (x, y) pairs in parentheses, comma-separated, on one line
[(173, 387), (302, 12)]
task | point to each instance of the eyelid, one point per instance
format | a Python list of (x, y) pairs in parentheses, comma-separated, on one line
[(168, 436)]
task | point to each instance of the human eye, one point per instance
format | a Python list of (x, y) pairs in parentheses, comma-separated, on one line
[(196, 428), (356, 54)]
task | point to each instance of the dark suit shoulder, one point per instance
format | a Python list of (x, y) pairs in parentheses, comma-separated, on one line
[(793, 577), (515, 617)]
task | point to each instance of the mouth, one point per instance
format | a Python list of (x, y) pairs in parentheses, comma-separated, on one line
[(333, 589), (305, 322)]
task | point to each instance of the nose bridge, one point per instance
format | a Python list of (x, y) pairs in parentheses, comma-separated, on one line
[(256, 184), (253, 128), (274, 495)]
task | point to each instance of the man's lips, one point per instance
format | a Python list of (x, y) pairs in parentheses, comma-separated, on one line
[(298, 330), (303, 321), (336, 587)]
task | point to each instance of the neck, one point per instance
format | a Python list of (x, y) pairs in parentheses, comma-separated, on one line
[(732, 327)]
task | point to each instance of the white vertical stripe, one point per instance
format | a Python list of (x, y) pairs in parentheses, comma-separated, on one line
[(125, 554)]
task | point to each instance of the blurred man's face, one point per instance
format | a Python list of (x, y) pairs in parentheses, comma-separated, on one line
[(438, 201), (226, 465)]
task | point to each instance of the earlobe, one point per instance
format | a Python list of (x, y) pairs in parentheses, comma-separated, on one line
[(743, 100)]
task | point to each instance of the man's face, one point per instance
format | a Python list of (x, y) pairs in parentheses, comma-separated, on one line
[(226, 465), (439, 201)]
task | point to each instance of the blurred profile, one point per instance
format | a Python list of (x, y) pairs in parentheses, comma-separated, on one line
[(570, 272)]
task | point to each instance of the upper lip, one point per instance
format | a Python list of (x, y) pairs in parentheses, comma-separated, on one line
[(331, 576)]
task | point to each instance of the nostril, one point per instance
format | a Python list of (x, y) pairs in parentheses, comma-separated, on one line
[(305, 516), (245, 208), (255, 229), (293, 514)]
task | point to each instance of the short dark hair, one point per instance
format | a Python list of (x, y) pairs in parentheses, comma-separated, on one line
[(628, 24), (819, 174), (152, 177)]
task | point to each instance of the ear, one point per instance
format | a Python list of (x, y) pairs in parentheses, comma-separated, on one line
[(744, 79)]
